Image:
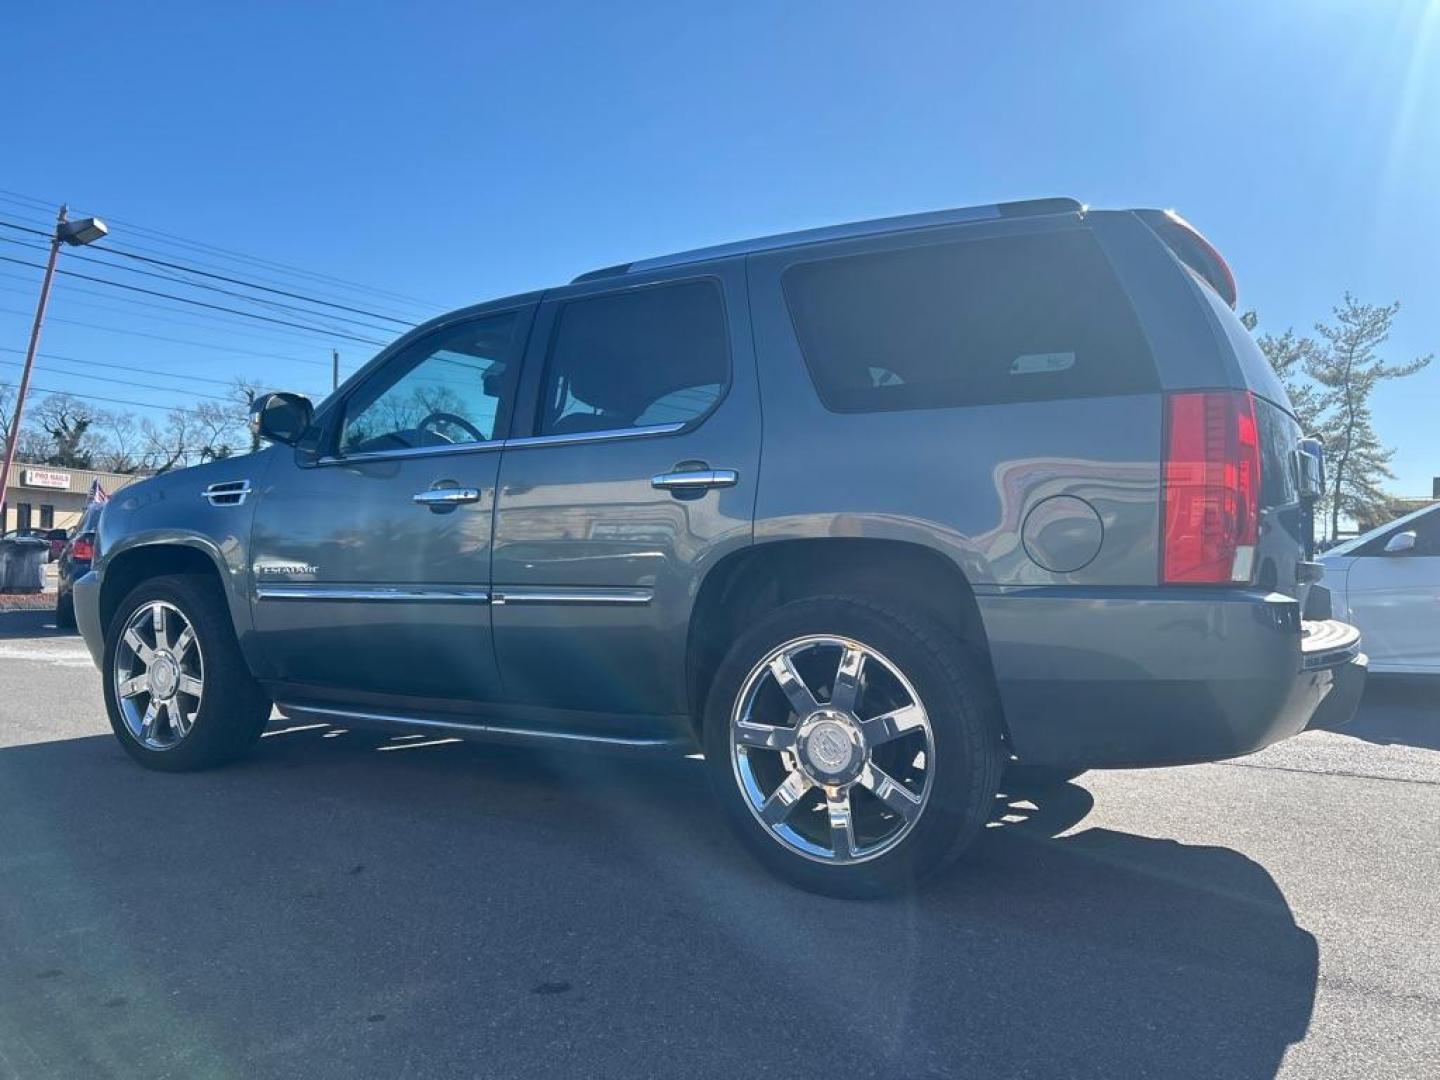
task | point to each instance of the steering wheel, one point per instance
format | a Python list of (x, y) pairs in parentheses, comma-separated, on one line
[(458, 421)]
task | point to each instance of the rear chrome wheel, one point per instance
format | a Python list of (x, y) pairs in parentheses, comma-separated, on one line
[(853, 746), (159, 675), (832, 749)]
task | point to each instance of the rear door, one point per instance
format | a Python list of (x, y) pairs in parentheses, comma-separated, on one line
[(633, 471)]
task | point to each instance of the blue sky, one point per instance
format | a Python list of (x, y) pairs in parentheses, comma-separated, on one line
[(454, 152)]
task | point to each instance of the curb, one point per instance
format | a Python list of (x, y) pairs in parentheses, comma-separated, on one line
[(27, 601)]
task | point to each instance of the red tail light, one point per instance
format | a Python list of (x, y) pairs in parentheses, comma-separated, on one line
[(1212, 488), (82, 550)]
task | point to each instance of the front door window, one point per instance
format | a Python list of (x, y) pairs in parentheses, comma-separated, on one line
[(448, 391)]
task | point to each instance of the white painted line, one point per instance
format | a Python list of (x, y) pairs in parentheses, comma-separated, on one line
[(59, 655)]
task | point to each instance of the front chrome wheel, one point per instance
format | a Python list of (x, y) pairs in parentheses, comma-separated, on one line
[(832, 749), (159, 675)]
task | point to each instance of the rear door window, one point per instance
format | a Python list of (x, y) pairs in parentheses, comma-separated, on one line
[(980, 322), (635, 359)]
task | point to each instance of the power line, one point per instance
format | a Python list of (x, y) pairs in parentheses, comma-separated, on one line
[(174, 240), (171, 340), (122, 367), (212, 288), (116, 401), (200, 263), (251, 284), (228, 383), (200, 303), (206, 321), (121, 382)]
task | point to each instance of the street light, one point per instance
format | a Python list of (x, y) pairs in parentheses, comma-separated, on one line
[(75, 234), (82, 232)]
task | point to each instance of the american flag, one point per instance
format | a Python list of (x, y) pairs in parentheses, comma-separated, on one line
[(97, 493)]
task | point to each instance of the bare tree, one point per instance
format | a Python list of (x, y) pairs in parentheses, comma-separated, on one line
[(7, 411), (67, 421), (216, 430), (166, 444), (245, 391), (121, 442)]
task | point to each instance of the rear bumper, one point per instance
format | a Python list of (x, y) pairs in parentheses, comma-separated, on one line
[(1335, 646), (1130, 678)]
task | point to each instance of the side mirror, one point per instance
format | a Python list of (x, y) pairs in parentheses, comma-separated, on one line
[(1311, 461), (281, 418), (1400, 543)]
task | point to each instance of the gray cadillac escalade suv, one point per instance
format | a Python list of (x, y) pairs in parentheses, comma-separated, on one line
[(868, 513)]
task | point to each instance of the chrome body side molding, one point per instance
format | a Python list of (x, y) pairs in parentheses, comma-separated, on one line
[(413, 594), (520, 594), (372, 594)]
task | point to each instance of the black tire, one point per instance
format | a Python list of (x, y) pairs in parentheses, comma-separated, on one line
[(1037, 777), (233, 708), (65, 611), (965, 725)]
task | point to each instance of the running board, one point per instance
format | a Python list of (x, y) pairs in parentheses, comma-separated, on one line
[(502, 733)]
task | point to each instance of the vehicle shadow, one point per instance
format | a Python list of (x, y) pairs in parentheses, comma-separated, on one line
[(31, 624), (1398, 710), (347, 904)]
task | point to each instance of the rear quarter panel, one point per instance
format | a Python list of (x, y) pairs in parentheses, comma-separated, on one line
[(960, 480)]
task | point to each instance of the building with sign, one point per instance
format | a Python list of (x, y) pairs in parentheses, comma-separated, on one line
[(47, 497)]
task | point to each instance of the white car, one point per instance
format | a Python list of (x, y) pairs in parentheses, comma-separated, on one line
[(1387, 582)]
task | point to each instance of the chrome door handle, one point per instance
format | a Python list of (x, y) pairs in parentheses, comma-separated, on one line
[(447, 496), (695, 480)]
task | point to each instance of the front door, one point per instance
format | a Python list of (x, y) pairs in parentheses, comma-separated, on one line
[(1394, 598), (370, 560), (636, 473)]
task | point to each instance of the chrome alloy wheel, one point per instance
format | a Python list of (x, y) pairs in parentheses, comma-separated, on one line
[(159, 675), (832, 749)]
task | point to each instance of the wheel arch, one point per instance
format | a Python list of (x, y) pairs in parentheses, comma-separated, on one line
[(748, 583), (143, 559)]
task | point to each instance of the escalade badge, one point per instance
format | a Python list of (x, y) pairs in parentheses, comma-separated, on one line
[(286, 568)]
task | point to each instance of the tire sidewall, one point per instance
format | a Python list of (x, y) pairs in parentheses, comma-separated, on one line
[(966, 742), (224, 722)]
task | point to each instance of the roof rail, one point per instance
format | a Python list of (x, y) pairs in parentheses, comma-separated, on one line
[(877, 226)]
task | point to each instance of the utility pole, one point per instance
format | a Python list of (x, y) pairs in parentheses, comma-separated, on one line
[(334, 369), (14, 439), (76, 234)]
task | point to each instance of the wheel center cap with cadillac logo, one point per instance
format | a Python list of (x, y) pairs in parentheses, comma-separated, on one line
[(164, 676), (831, 747)]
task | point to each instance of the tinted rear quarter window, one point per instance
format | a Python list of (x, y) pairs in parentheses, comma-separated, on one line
[(1025, 318)]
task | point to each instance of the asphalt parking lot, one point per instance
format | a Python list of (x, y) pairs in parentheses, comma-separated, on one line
[(347, 905)]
